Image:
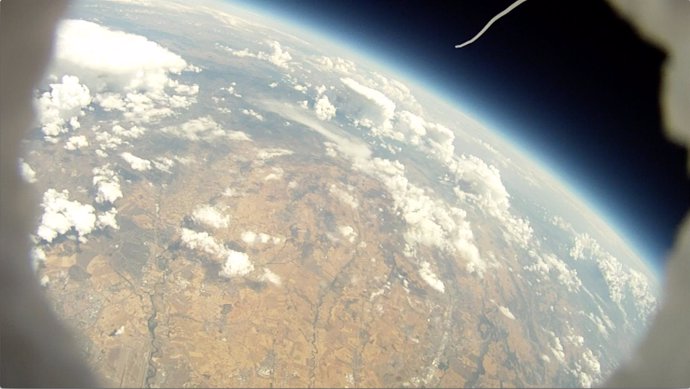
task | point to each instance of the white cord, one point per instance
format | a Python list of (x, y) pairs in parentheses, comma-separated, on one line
[(492, 21)]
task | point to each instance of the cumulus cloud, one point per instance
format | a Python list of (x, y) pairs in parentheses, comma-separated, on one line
[(200, 128), (136, 163), (107, 185), (619, 279), (324, 109), (76, 142), (643, 298), (276, 174), (271, 277), (482, 185), (251, 237), (209, 216), (546, 264), (129, 72), (231, 90), (278, 56), (163, 164), (26, 172), (129, 61), (344, 195), (430, 277), (561, 223), (587, 369), (430, 221), (202, 241), (506, 312), (133, 132), (266, 154), (61, 215), (338, 64), (348, 233), (386, 106), (107, 219), (108, 141), (204, 128), (60, 108), (237, 264), (251, 113), (557, 347), (248, 237)]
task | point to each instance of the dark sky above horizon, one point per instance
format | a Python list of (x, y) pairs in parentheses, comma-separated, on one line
[(568, 80)]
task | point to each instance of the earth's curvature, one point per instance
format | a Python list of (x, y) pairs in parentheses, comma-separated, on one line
[(231, 201)]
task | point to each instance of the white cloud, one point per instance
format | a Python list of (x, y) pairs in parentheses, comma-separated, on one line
[(587, 369), (60, 108), (107, 185), (278, 56), (107, 141), (351, 147), (61, 215), (266, 154), (614, 275), (271, 277), (324, 109), (128, 61), (385, 105), (248, 237), (236, 264), (557, 348), (599, 323), (238, 136), (561, 223), (344, 195), (251, 237), (163, 164), (338, 64), (210, 217), (231, 90), (129, 72), (642, 296), (202, 241), (250, 112), (506, 312), (590, 362), (133, 132), (585, 247), (330, 148), (107, 219), (618, 278), (136, 163), (26, 172), (430, 277), (482, 186), (547, 263), (276, 174), (200, 128), (348, 233), (76, 142), (38, 256), (430, 222), (204, 128)]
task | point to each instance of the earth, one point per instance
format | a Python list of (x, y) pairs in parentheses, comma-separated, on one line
[(230, 200)]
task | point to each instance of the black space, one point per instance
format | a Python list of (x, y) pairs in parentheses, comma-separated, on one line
[(569, 79)]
